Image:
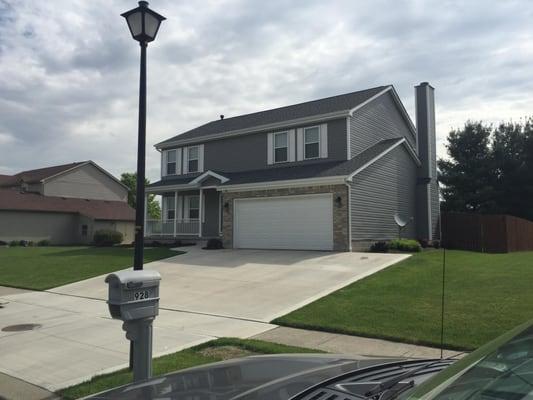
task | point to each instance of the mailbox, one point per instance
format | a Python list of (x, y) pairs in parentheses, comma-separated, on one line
[(133, 295)]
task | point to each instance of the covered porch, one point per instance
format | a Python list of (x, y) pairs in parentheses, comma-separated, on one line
[(186, 214)]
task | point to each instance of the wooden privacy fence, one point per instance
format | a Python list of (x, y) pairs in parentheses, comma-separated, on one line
[(486, 233)]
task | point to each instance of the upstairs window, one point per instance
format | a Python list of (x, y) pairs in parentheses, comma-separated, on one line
[(311, 142), (193, 157), (171, 162), (281, 147)]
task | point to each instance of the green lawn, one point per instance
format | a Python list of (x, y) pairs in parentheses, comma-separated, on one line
[(42, 268), (486, 294), (216, 350)]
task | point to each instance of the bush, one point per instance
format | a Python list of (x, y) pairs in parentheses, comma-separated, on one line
[(408, 245), (107, 237), (23, 243), (213, 244), (14, 243), (30, 243), (43, 242), (2, 243), (436, 244), (379, 247)]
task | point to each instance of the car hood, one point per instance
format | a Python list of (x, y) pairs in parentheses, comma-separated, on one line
[(258, 377)]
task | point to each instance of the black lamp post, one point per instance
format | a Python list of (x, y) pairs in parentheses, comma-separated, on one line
[(144, 24)]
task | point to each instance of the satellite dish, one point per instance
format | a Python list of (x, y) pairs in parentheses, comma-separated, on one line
[(401, 222)]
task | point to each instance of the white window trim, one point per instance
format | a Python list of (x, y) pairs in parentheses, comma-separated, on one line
[(274, 147), (193, 159), (318, 141), (169, 201), (187, 207), (167, 162)]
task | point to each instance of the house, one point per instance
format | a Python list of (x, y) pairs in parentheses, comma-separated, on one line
[(328, 174), (64, 204)]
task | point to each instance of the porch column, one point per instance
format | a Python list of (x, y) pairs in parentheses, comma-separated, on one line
[(175, 211), (200, 211)]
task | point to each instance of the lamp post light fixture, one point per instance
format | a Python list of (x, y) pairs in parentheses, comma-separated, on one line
[(143, 24)]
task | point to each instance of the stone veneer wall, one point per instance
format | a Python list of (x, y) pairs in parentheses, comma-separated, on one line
[(341, 240)]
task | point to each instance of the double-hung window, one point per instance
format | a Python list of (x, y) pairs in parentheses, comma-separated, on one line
[(192, 158), (170, 208), (194, 207), (281, 147), (171, 162), (311, 142)]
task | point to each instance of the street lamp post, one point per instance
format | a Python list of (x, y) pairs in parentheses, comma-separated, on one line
[(143, 24)]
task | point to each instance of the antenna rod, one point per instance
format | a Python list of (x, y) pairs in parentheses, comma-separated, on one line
[(442, 302)]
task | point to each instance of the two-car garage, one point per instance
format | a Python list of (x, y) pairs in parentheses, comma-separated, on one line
[(303, 222)]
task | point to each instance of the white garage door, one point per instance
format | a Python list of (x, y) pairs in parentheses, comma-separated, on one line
[(290, 222)]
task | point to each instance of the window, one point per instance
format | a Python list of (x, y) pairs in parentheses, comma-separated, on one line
[(171, 162), (84, 230), (193, 153), (170, 208), (281, 147), (311, 142), (194, 207)]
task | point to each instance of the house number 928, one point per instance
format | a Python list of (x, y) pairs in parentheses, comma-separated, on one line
[(141, 295)]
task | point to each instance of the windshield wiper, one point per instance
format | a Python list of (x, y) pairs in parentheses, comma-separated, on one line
[(388, 384)]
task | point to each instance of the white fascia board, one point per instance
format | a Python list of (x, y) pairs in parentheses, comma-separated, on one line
[(169, 188), (327, 180), (207, 174), (255, 129), (364, 103), (373, 160)]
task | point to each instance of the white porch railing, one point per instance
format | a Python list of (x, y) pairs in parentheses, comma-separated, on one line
[(170, 227)]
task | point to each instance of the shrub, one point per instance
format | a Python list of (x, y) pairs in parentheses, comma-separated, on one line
[(408, 245), (14, 243), (107, 237), (43, 242), (436, 244), (30, 243), (23, 243), (2, 243), (213, 244), (379, 247), (424, 243)]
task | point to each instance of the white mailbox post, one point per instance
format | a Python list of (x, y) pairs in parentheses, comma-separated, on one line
[(134, 299)]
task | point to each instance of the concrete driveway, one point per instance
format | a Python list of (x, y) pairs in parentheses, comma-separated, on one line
[(204, 295)]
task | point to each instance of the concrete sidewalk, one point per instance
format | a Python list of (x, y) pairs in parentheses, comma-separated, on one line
[(350, 345)]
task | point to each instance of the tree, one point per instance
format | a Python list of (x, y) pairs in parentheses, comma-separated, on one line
[(490, 169), (130, 180), (466, 176)]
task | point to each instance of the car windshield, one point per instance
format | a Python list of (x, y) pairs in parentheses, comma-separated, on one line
[(502, 369)]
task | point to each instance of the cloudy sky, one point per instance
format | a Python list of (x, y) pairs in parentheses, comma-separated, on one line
[(69, 69)]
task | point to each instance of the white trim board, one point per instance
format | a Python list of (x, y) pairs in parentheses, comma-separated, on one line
[(206, 174)]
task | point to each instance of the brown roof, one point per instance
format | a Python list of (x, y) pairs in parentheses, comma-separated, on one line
[(37, 175), (97, 209)]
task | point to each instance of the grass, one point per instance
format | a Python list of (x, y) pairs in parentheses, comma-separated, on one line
[(486, 294), (195, 356), (41, 268)]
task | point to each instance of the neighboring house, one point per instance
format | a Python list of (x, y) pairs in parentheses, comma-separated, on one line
[(328, 174), (64, 204)]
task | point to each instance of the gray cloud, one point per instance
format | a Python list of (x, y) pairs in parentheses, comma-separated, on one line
[(69, 70)]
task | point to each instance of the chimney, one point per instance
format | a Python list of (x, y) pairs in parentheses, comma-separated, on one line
[(221, 116), (427, 185)]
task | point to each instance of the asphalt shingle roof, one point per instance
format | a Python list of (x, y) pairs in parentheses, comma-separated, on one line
[(311, 170), (98, 209), (36, 175), (316, 107)]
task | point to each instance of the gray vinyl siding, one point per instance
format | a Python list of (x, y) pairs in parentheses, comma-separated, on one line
[(212, 212), (86, 182), (249, 152), (380, 119), (381, 190)]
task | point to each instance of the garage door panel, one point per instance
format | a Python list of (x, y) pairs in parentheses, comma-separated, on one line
[(295, 222)]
